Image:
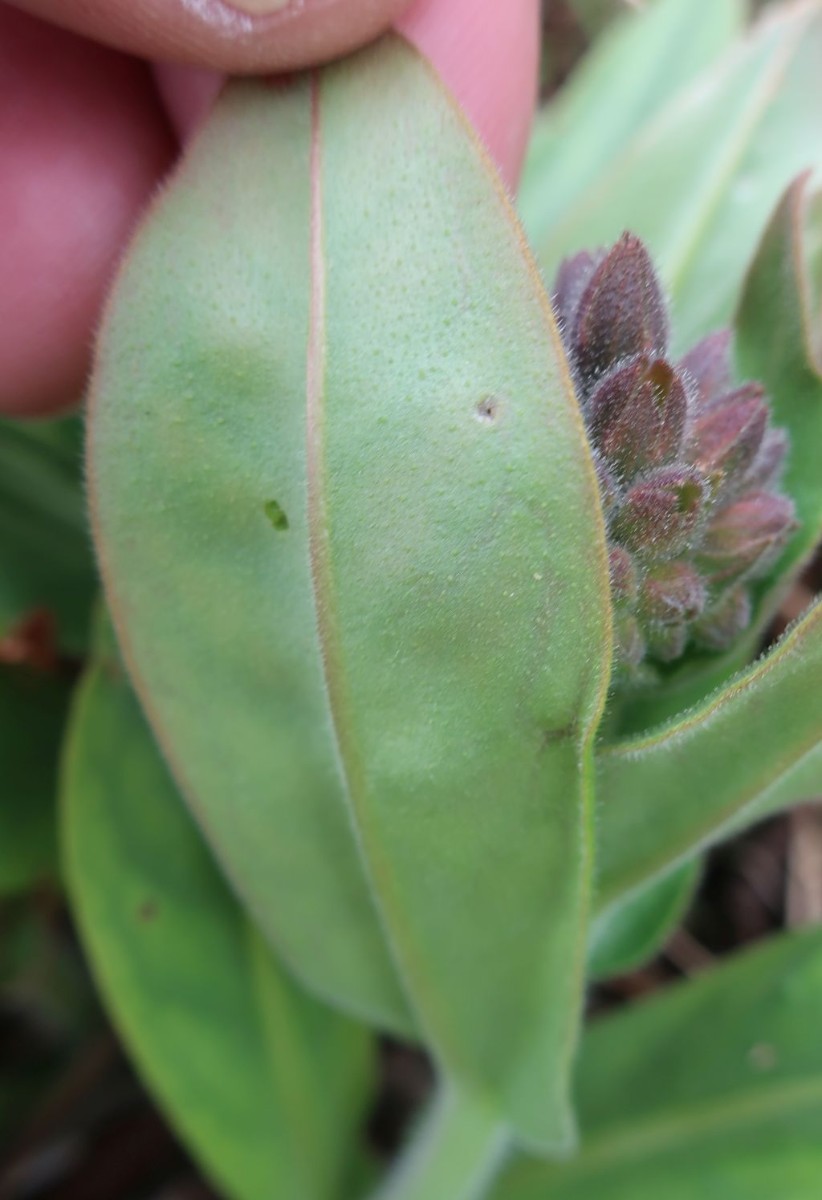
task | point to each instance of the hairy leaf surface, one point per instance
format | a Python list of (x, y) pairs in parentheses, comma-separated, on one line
[(350, 533), (750, 749)]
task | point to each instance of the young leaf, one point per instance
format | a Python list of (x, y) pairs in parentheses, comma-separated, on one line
[(713, 1088), (630, 931), (626, 79), (33, 707), (775, 332), (721, 766), (46, 562), (379, 704), (265, 1084), (700, 180)]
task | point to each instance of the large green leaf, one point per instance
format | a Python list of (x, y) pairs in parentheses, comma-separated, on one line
[(749, 750), (628, 76), (713, 1089), (45, 549), (33, 706), (701, 177), (265, 1084), (363, 590)]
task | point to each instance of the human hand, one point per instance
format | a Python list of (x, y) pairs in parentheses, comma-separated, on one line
[(87, 131)]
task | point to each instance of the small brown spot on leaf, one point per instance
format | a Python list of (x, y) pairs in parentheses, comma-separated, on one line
[(487, 410), (566, 733)]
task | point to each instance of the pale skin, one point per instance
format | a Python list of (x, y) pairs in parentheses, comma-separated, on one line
[(97, 97)]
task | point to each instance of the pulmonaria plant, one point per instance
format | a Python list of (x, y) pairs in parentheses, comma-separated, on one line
[(688, 464)]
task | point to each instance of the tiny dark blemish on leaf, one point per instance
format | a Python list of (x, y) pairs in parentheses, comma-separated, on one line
[(487, 410), (276, 515), (551, 736), (147, 911)]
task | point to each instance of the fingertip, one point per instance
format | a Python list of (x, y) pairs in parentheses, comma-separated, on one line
[(241, 37), (82, 144), (487, 53), (188, 94)]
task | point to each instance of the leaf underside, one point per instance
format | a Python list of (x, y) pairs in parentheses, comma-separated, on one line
[(362, 590)]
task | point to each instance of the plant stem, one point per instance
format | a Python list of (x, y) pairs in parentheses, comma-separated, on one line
[(454, 1154)]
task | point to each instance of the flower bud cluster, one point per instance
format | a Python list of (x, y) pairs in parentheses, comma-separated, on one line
[(688, 464)]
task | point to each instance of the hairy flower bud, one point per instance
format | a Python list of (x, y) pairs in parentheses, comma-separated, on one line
[(620, 312), (636, 414), (688, 464)]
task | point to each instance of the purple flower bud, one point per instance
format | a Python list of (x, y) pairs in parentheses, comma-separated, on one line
[(727, 439), (621, 311), (708, 364), (668, 642), (573, 277), (624, 587), (767, 466), (636, 415), (687, 464), (719, 628), (746, 537), (672, 594), (610, 493), (660, 515), (630, 644)]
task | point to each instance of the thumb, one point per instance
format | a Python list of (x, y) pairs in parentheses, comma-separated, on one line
[(240, 36), (487, 53)]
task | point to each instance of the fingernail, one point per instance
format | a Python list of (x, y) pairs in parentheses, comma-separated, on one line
[(260, 8)]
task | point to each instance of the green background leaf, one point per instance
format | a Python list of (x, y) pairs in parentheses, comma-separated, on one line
[(630, 931), (711, 1089), (709, 773), (265, 1084), (45, 548), (630, 73), (702, 174), (33, 708)]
